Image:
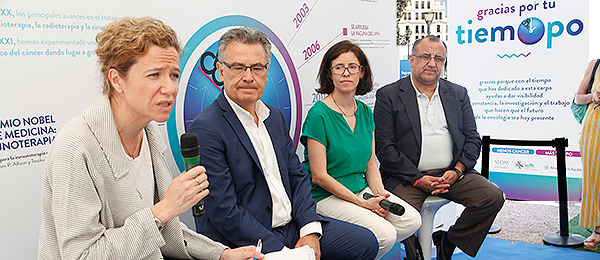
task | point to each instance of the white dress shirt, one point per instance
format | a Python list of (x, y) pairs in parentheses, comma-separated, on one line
[(261, 141), (436, 143)]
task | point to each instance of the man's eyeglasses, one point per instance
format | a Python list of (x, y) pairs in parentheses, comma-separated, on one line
[(237, 69), (427, 57), (352, 69)]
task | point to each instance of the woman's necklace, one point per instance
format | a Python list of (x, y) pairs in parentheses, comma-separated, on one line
[(343, 113), (138, 144)]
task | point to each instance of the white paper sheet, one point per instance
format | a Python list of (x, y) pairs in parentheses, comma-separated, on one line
[(301, 253)]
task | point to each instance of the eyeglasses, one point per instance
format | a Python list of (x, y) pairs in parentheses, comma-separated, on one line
[(352, 69), (237, 69), (427, 57)]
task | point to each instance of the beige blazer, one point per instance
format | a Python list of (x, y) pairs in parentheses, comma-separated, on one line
[(91, 208)]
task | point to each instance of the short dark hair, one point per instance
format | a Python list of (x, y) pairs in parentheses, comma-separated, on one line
[(365, 85), (431, 38)]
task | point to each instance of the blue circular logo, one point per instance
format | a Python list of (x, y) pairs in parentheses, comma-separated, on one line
[(531, 31), (203, 84)]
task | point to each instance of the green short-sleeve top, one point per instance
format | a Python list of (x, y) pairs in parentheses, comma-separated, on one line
[(347, 152)]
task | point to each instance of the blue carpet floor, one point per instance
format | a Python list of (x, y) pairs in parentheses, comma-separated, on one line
[(499, 249)]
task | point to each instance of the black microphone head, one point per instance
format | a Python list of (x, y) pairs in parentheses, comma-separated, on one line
[(367, 196), (397, 209), (189, 145)]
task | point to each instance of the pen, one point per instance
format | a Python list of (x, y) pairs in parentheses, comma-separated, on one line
[(258, 247)]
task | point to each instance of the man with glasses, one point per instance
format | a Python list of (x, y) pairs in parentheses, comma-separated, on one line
[(258, 187), (427, 143)]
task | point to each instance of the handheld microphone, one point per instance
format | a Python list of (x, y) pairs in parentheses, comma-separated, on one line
[(190, 150), (388, 205)]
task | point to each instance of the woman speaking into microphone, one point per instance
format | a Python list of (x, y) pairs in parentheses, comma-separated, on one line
[(107, 190)]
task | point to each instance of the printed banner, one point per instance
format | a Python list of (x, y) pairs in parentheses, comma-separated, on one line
[(49, 75), (522, 62)]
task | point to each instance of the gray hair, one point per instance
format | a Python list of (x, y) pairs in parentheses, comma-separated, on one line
[(431, 38), (243, 35)]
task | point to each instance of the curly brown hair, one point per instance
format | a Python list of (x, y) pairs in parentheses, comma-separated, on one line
[(123, 41), (365, 85)]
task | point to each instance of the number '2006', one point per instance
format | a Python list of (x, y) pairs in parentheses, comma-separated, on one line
[(312, 49)]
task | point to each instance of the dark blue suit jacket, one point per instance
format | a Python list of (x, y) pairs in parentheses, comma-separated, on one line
[(398, 130), (238, 208)]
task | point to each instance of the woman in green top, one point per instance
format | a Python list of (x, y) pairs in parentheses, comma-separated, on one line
[(339, 151)]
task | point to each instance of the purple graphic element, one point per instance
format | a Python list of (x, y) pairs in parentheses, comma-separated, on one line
[(323, 48), (345, 31), (553, 153), (513, 55)]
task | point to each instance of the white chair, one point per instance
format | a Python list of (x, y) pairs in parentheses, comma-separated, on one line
[(428, 210)]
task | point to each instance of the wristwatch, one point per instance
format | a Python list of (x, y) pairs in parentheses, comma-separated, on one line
[(459, 173), (159, 224)]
